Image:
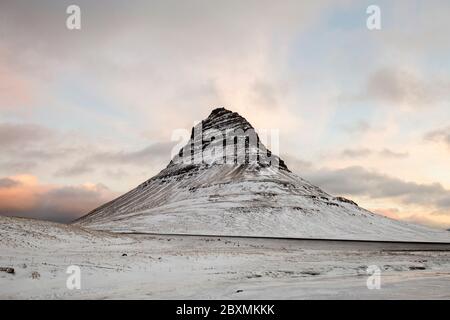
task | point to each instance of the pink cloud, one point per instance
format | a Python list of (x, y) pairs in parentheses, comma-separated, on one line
[(25, 196)]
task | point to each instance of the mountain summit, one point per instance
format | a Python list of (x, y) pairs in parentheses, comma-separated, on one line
[(225, 137), (224, 181)]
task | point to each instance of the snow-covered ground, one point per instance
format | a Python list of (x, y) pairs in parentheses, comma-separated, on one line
[(190, 267)]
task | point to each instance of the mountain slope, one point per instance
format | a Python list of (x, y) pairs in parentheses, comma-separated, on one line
[(226, 182)]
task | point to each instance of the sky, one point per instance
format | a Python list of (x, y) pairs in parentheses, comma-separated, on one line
[(88, 114)]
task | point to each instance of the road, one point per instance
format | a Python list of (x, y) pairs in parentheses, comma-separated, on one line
[(316, 244)]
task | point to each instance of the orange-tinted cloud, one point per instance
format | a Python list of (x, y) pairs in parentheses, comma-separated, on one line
[(24, 196), (436, 219), (392, 213)]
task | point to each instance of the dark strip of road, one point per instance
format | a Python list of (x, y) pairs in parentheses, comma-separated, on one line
[(315, 243)]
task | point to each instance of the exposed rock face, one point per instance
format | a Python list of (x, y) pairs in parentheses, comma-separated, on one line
[(226, 182), (225, 137), (7, 270)]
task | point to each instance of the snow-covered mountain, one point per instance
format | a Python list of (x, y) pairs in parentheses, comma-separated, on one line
[(226, 182)]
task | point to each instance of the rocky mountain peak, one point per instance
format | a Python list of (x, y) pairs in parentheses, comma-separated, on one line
[(225, 137), (223, 119)]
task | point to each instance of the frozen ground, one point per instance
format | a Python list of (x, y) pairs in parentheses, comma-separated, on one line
[(190, 267)]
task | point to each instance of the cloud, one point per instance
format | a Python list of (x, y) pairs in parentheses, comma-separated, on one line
[(403, 87), (19, 135), (388, 212), (357, 181), (356, 153), (297, 164), (24, 196), (17, 166), (440, 135), (438, 220), (422, 203), (266, 95), (147, 157), (8, 183), (397, 86), (77, 169), (139, 65), (28, 146), (32, 142), (364, 152), (156, 151), (393, 154)]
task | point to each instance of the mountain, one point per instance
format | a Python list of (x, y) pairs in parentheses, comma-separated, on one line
[(226, 182)]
